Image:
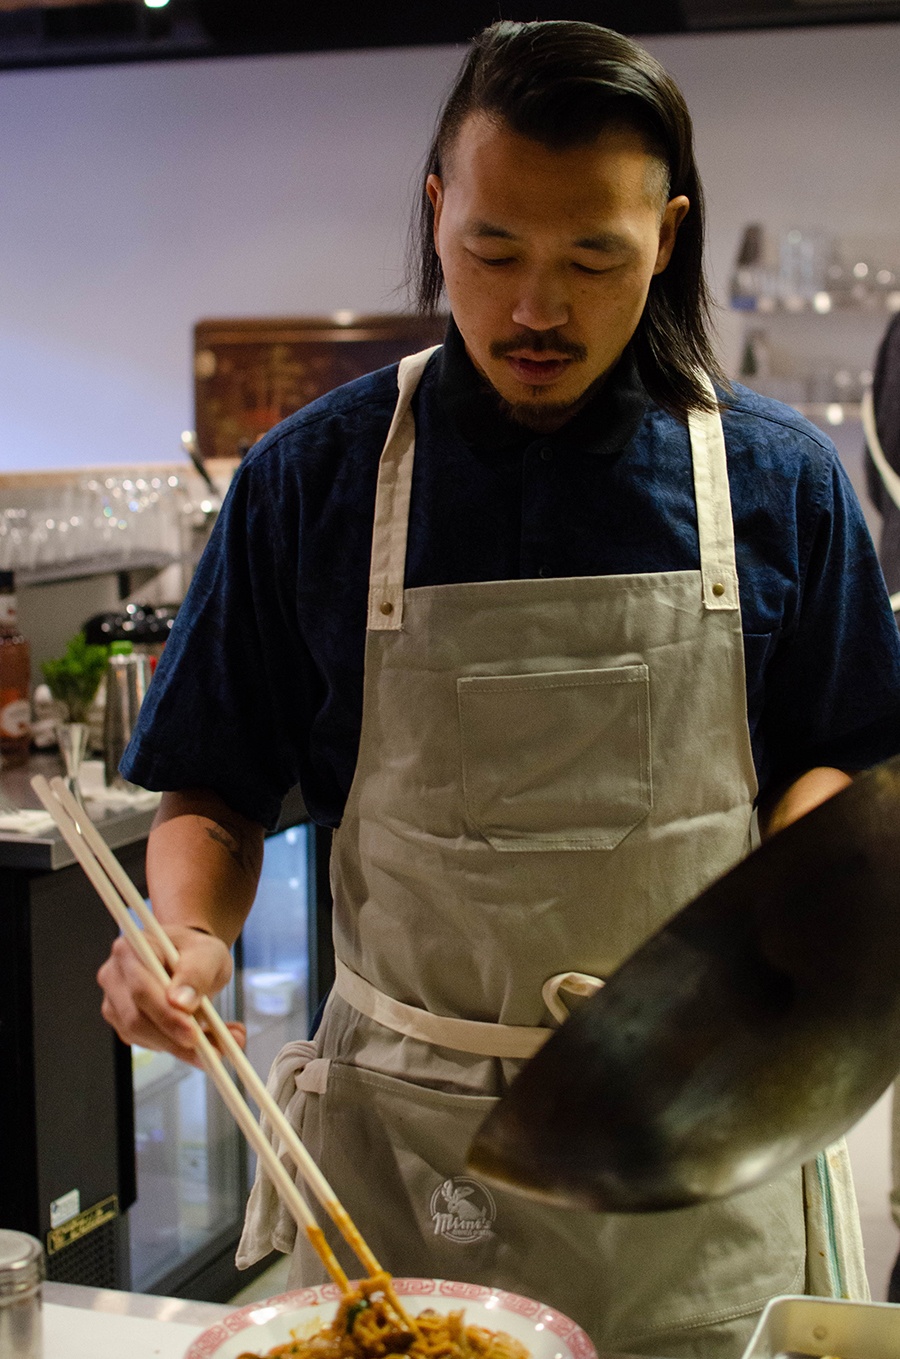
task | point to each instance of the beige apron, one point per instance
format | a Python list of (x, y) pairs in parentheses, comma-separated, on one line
[(547, 770)]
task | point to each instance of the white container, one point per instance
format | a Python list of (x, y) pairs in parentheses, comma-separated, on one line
[(271, 993), (820, 1327)]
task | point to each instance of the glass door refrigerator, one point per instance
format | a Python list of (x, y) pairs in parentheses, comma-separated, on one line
[(193, 1166)]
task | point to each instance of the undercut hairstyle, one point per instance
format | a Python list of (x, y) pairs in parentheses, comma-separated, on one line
[(562, 84)]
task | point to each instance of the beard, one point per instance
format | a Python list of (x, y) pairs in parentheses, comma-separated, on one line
[(540, 415), (544, 417)]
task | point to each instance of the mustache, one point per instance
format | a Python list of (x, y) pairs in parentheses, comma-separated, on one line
[(539, 342)]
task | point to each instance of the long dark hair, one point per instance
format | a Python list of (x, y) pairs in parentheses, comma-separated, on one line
[(561, 83)]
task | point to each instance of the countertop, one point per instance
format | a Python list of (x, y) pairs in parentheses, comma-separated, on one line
[(101, 1323), (49, 850)]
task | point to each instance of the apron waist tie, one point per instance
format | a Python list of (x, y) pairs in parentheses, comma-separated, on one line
[(462, 1035)]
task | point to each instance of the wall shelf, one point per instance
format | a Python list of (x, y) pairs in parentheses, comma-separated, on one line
[(820, 304), (80, 568)]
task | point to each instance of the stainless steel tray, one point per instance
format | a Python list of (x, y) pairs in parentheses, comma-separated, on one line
[(822, 1327)]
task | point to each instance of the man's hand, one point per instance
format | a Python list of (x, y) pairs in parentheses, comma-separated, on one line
[(203, 864), (801, 796), (142, 1011)]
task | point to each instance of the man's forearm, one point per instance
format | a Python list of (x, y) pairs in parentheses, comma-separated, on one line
[(203, 863), (800, 797)]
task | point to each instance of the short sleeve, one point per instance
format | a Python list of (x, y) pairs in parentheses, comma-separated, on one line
[(229, 706), (832, 688)]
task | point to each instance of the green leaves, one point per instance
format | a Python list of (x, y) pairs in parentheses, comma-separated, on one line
[(354, 1311), (75, 677)]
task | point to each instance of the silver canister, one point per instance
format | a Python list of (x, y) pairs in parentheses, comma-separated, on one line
[(127, 679), (21, 1275)]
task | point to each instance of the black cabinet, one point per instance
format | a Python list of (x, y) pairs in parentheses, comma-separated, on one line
[(67, 1123)]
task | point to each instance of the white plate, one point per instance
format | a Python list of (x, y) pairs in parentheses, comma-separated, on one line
[(547, 1333)]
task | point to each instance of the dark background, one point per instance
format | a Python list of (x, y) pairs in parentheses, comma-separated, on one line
[(51, 33)]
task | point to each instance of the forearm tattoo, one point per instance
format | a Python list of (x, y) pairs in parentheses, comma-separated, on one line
[(241, 852)]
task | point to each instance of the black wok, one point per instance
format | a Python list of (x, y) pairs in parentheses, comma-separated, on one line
[(753, 1030)]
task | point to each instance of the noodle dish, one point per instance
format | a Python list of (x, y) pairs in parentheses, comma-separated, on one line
[(451, 1320)]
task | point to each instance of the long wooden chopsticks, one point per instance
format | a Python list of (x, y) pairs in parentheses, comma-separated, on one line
[(119, 894)]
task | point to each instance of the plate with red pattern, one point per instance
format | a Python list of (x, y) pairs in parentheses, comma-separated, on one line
[(256, 1329)]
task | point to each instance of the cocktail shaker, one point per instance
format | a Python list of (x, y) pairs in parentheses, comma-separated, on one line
[(21, 1275), (127, 679)]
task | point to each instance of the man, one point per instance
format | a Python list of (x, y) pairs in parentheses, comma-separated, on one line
[(502, 618)]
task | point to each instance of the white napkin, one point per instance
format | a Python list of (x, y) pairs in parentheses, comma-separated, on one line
[(99, 798), (26, 822), (92, 782), (118, 799)]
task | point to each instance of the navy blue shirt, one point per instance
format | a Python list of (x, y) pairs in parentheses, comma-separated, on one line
[(260, 685)]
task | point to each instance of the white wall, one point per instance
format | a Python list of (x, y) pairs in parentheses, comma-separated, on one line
[(135, 200), (797, 128)]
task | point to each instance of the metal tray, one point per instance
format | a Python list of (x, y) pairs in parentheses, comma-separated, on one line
[(820, 1327)]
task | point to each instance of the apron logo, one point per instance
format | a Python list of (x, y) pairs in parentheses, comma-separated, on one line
[(463, 1211)]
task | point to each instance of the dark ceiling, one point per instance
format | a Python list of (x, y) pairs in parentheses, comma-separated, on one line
[(60, 33)]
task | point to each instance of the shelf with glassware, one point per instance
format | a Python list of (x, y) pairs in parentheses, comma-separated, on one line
[(813, 308), (72, 523)]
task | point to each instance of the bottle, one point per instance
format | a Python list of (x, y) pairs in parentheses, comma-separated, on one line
[(15, 675), (747, 279)]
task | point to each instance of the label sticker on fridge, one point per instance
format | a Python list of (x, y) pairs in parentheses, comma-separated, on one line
[(65, 1207), (84, 1222)]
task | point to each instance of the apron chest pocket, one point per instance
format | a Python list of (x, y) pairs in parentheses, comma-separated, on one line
[(556, 761)]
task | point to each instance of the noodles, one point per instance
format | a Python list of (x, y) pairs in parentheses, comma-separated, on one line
[(370, 1324)]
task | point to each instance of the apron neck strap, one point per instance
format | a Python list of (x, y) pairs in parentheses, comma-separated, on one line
[(715, 528), (388, 564)]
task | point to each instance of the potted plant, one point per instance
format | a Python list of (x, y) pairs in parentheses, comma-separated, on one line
[(73, 680)]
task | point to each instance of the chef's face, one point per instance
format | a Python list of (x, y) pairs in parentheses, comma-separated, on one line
[(547, 258)]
